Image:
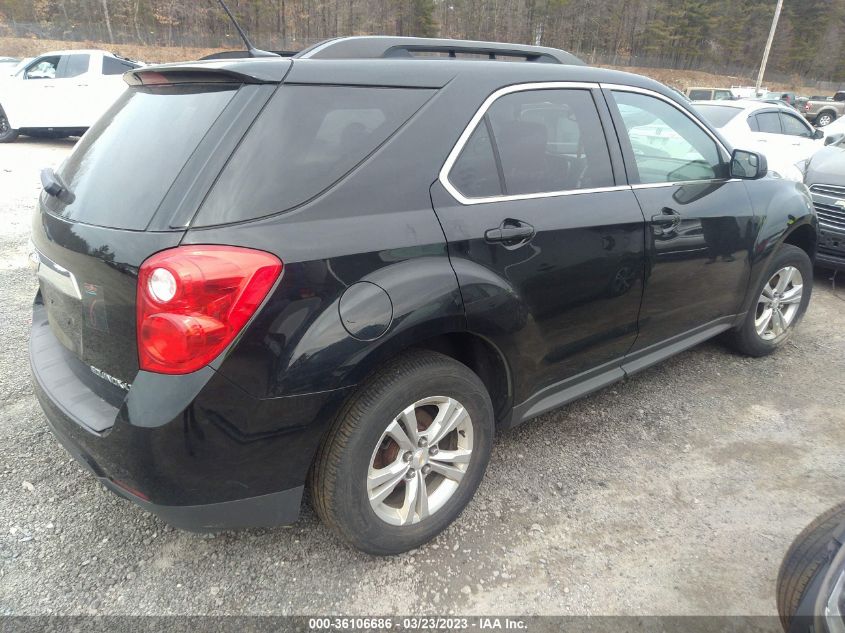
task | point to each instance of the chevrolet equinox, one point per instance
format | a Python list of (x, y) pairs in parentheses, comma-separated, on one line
[(347, 269)]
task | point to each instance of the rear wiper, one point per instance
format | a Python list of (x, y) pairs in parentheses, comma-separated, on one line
[(54, 186)]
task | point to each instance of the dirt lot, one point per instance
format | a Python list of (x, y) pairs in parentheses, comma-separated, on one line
[(676, 492)]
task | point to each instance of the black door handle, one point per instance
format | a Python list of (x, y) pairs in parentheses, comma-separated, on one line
[(666, 218), (510, 231)]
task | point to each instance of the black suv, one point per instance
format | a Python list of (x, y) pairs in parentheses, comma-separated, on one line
[(346, 270)]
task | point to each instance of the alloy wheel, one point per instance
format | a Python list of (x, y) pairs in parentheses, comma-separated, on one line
[(778, 304), (824, 119), (420, 460), (4, 124)]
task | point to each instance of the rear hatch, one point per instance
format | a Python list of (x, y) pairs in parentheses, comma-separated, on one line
[(131, 186)]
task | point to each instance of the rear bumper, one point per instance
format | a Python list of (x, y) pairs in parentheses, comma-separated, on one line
[(195, 450)]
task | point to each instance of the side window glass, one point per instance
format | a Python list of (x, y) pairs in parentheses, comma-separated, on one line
[(44, 68), (75, 65), (769, 122), (793, 126), (475, 173), (550, 141), (668, 146), (752, 123), (112, 66)]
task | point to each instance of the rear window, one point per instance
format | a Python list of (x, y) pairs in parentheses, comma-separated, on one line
[(307, 138), (717, 116), (121, 170), (700, 95)]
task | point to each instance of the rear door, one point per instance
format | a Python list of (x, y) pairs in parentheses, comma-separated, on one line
[(69, 101), (544, 235), (700, 222)]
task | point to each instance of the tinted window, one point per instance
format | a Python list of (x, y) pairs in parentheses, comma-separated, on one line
[(121, 170), (752, 123), (475, 173), (668, 146), (307, 138), (700, 95), (792, 126), (74, 66), (769, 122), (550, 140), (112, 66), (44, 68), (717, 115)]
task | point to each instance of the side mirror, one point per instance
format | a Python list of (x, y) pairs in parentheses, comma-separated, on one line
[(833, 139), (748, 165), (817, 134)]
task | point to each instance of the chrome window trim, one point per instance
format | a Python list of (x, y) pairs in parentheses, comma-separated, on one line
[(651, 93), (443, 177)]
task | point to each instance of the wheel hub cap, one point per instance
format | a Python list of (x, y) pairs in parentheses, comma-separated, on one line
[(420, 460), (779, 303)]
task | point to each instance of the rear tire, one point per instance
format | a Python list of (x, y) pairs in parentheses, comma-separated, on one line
[(807, 554), (7, 134), (373, 470), (758, 336)]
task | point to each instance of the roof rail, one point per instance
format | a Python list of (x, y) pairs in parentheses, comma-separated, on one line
[(380, 46)]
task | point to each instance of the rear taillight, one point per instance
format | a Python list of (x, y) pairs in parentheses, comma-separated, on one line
[(193, 300), (806, 107)]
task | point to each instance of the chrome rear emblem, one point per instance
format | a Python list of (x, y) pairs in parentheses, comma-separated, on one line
[(109, 378)]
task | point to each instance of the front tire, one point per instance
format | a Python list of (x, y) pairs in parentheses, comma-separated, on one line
[(7, 134), (779, 304), (405, 455)]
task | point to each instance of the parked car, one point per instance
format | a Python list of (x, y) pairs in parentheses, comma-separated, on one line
[(347, 269), (823, 111), (773, 129), (825, 176), (8, 64), (789, 98), (61, 93), (811, 581), (709, 94)]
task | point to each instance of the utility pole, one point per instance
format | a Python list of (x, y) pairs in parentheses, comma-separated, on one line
[(768, 47)]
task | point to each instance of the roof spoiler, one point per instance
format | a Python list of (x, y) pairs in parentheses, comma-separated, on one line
[(247, 71), (375, 47)]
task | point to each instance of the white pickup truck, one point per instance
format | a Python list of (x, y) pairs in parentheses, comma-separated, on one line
[(60, 93)]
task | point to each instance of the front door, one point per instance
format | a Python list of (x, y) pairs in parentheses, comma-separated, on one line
[(700, 224), (546, 240)]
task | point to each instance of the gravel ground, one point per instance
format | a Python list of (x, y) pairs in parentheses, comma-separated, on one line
[(675, 492)]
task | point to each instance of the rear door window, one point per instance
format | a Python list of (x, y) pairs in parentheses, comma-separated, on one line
[(307, 138), (122, 168), (550, 141), (73, 66), (475, 173), (700, 95)]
